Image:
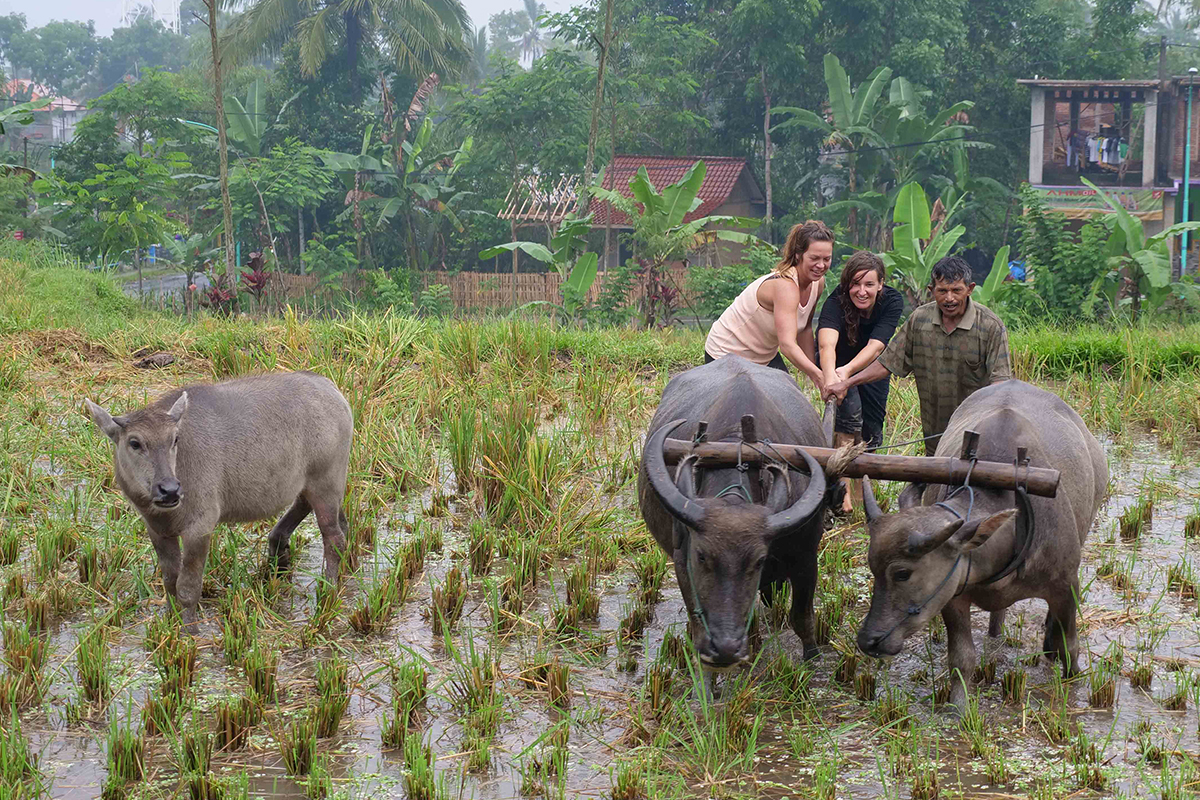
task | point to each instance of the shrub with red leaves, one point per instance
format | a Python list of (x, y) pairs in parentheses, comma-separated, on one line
[(256, 279)]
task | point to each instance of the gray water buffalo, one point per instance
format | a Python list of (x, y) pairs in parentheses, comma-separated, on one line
[(728, 543), (959, 548), (237, 451)]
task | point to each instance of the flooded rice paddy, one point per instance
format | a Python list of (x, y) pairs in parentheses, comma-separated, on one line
[(486, 648)]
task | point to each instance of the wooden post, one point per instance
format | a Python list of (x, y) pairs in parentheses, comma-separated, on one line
[(970, 445), (748, 434)]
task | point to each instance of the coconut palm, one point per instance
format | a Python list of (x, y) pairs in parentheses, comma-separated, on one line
[(418, 36), (478, 68), (531, 41)]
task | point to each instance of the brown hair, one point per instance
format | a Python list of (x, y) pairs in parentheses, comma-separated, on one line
[(857, 264), (798, 240)]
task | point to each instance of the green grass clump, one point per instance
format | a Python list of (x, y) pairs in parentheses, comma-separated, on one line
[(92, 663), (333, 696), (126, 758), (298, 745), (18, 763)]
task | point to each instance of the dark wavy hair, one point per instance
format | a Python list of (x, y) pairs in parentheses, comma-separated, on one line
[(857, 264)]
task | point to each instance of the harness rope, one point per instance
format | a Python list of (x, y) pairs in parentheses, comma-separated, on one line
[(1020, 548)]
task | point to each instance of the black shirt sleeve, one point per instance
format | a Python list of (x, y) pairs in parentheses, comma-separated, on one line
[(889, 315), (831, 312)]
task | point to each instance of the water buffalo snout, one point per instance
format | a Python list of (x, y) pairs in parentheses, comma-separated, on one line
[(873, 644), (724, 651), (167, 493)]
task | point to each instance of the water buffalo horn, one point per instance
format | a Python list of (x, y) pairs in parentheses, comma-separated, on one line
[(790, 518), (870, 506), (684, 509)]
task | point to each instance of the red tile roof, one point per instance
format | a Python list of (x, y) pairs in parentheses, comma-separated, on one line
[(721, 174)]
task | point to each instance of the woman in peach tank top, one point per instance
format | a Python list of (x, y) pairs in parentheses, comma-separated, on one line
[(773, 317)]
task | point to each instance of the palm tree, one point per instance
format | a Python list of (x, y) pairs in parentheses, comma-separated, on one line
[(418, 36), (531, 41), (478, 67)]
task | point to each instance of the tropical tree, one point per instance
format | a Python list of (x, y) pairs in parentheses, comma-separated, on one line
[(478, 68), (879, 147), (917, 244), (532, 45), (416, 36), (1141, 264), (660, 234), (248, 123), (576, 268)]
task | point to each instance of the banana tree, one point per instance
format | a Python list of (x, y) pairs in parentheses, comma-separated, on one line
[(576, 268), (247, 124), (661, 235), (357, 172), (917, 245), (1144, 260), (883, 146)]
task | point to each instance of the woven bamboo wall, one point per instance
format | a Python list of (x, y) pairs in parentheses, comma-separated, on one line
[(481, 290)]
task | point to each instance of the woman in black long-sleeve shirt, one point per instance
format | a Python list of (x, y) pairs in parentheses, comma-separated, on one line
[(856, 322)]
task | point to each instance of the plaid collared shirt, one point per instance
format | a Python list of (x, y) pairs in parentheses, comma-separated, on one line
[(948, 366)]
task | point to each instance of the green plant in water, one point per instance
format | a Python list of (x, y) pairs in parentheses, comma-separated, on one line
[(18, 763), (447, 601), (91, 660), (629, 783), (126, 756), (420, 781), (333, 696), (261, 667), (481, 547), (1134, 518), (298, 745)]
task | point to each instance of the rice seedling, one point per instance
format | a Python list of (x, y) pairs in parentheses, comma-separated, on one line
[(24, 655), (825, 774), (333, 696), (891, 709), (985, 671), (634, 619), (657, 690), (159, 713), (650, 569), (1103, 685), (1181, 783), (603, 554), (447, 601), (925, 784), (1191, 525), (1012, 687), (412, 557), (1151, 751), (298, 745), (18, 763), (973, 727), (196, 750), (235, 717), (383, 595), (10, 545), (14, 587), (673, 650), (1181, 579), (261, 667), (629, 783), (91, 661), (481, 547), (582, 596), (1087, 757), (126, 757), (38, 610), (461, 427), (319, 785), (1136, 517), (239, 631), (1177, 699), (419, 775), (864, 686), (558, 676), (847, 665)]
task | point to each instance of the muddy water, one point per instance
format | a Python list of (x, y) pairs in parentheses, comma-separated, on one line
[(73, 759)]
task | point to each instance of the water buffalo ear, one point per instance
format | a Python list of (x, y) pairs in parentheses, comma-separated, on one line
[(921, 543), (977, 533), (104, 421), (176, 412)]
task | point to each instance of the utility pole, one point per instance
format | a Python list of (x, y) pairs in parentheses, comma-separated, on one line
[(1162, 60), (25, 163)]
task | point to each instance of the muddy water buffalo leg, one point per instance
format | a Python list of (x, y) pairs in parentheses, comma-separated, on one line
[(167, 548), (996, 623), (960, 647), (332, 537), (804, 589), (281, 534), (195, 540), (1062, 641)]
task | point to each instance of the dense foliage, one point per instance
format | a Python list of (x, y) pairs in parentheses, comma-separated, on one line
[(384, 138)]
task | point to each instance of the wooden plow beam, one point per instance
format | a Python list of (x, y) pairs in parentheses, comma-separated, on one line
[(1039, 481)]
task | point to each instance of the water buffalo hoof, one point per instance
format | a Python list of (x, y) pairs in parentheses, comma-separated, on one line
[(811, 652)]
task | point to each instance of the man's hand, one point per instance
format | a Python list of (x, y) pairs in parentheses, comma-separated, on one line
[(837, 390)]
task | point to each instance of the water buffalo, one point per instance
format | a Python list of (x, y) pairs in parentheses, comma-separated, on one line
[(728, 543), (237, 451), (956, 548)]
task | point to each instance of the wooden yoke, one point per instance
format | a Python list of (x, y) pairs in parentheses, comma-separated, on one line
[(1039, 481)]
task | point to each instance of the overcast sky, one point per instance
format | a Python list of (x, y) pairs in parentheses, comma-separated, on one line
[(107, 13)]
